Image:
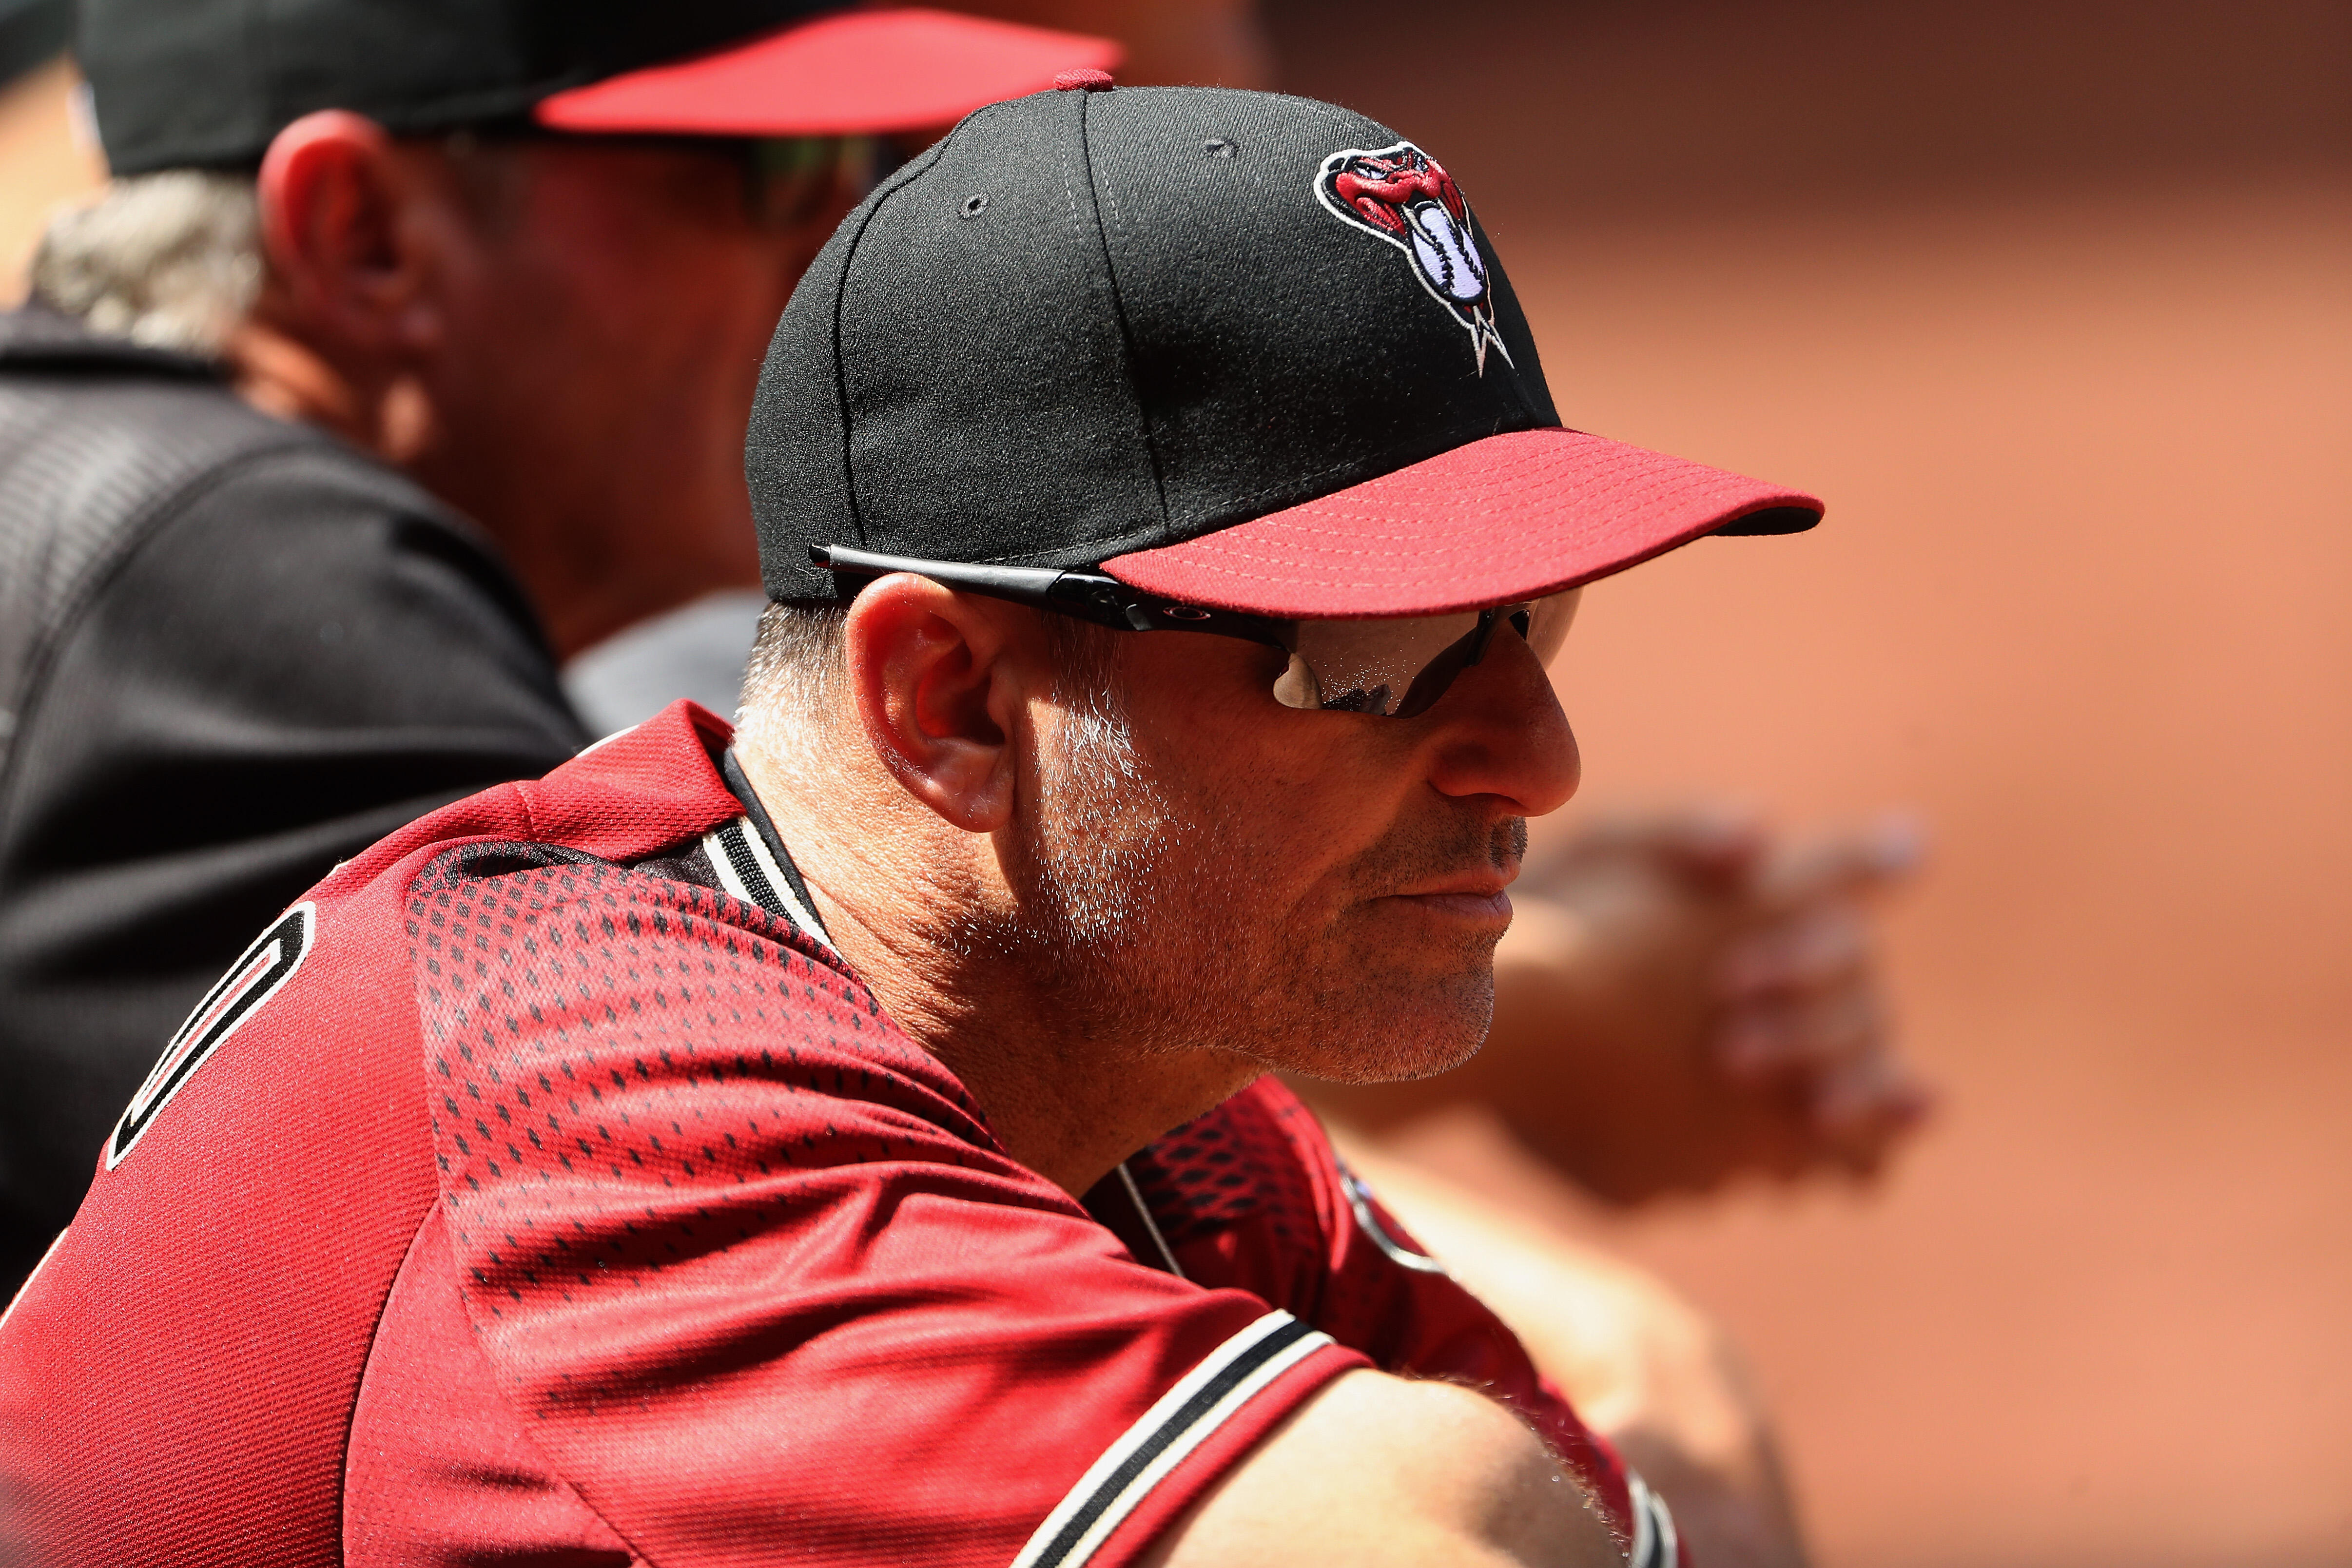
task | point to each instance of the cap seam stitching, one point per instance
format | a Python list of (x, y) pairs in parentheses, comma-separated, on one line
[(1096, 191), (840, 303)]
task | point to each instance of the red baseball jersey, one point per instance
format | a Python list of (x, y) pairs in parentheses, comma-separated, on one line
[(543, 1189)]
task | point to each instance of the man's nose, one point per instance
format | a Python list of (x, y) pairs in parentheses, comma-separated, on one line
[(1499, 730)]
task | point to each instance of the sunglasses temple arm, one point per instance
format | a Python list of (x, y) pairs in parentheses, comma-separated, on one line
[(1020, 584), (1087, 595)]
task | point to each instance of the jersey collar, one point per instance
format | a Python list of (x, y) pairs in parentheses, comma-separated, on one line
[(752, 862)]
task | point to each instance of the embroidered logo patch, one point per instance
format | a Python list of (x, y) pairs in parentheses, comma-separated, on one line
[(252, 980), (1400, 194)]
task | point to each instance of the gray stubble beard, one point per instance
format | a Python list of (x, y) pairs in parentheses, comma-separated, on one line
[(1108, 841), (1106, 898)]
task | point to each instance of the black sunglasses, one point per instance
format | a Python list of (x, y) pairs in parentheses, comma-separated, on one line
[(1396, 666)]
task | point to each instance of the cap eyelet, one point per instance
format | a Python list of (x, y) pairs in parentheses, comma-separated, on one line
[(974, 205), (1218, 147)]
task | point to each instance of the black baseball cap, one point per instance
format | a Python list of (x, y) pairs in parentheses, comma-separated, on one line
[(208, 83), (1236, 349)]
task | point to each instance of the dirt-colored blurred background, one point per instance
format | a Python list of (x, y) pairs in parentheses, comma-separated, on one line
[(2053, 303)]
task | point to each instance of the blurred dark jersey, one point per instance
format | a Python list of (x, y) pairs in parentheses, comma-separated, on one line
[(540, 1188), (233, 651)]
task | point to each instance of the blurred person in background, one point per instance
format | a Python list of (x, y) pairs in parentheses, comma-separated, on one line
[(407, 352), (1708, 986)]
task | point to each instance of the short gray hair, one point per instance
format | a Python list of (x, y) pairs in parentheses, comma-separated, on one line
[(794, 677), (793, 674), (171, 260)]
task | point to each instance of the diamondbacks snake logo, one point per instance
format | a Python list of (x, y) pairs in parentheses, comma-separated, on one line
[(1400, 194)]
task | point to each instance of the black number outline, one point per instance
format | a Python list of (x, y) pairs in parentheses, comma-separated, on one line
[(236, 997)]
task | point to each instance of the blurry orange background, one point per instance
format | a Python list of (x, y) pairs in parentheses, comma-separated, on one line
[(2053, 303)]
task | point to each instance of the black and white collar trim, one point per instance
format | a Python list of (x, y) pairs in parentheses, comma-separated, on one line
[(752, 862), (747, 868)]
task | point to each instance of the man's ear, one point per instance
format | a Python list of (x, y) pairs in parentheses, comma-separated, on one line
[(934, 676), (335, 199)]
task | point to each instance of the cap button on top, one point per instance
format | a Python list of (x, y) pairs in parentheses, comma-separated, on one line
[(1083, 81)]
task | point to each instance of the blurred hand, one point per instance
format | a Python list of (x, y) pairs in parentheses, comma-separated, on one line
[(1680, 1000)]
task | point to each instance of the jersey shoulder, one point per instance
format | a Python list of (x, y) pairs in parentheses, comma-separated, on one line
[(274, 1169), (744, 1258)]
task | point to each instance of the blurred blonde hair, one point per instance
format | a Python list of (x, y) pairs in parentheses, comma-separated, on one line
[(169, 261)]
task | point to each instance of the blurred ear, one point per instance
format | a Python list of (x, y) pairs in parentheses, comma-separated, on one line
[(938, 680), (339, 210)]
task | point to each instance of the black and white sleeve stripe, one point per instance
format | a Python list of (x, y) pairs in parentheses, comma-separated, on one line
[(747, 869), (1209, 1395), (1655, 1542)]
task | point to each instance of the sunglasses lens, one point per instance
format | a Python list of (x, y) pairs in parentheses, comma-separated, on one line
[(1365, 666), (1400, 668), (1546, 623)]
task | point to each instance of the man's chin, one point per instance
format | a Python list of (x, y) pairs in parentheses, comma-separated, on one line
[(1431, 1032)]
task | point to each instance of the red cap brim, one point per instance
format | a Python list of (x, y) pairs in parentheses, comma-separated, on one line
[(848, 73), (1510, 518)]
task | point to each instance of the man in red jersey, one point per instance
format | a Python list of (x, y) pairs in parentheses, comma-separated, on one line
[(855, 1145)]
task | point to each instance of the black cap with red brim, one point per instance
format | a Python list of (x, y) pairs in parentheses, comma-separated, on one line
[(208, 83), (1496, 521), (1238, 350)]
